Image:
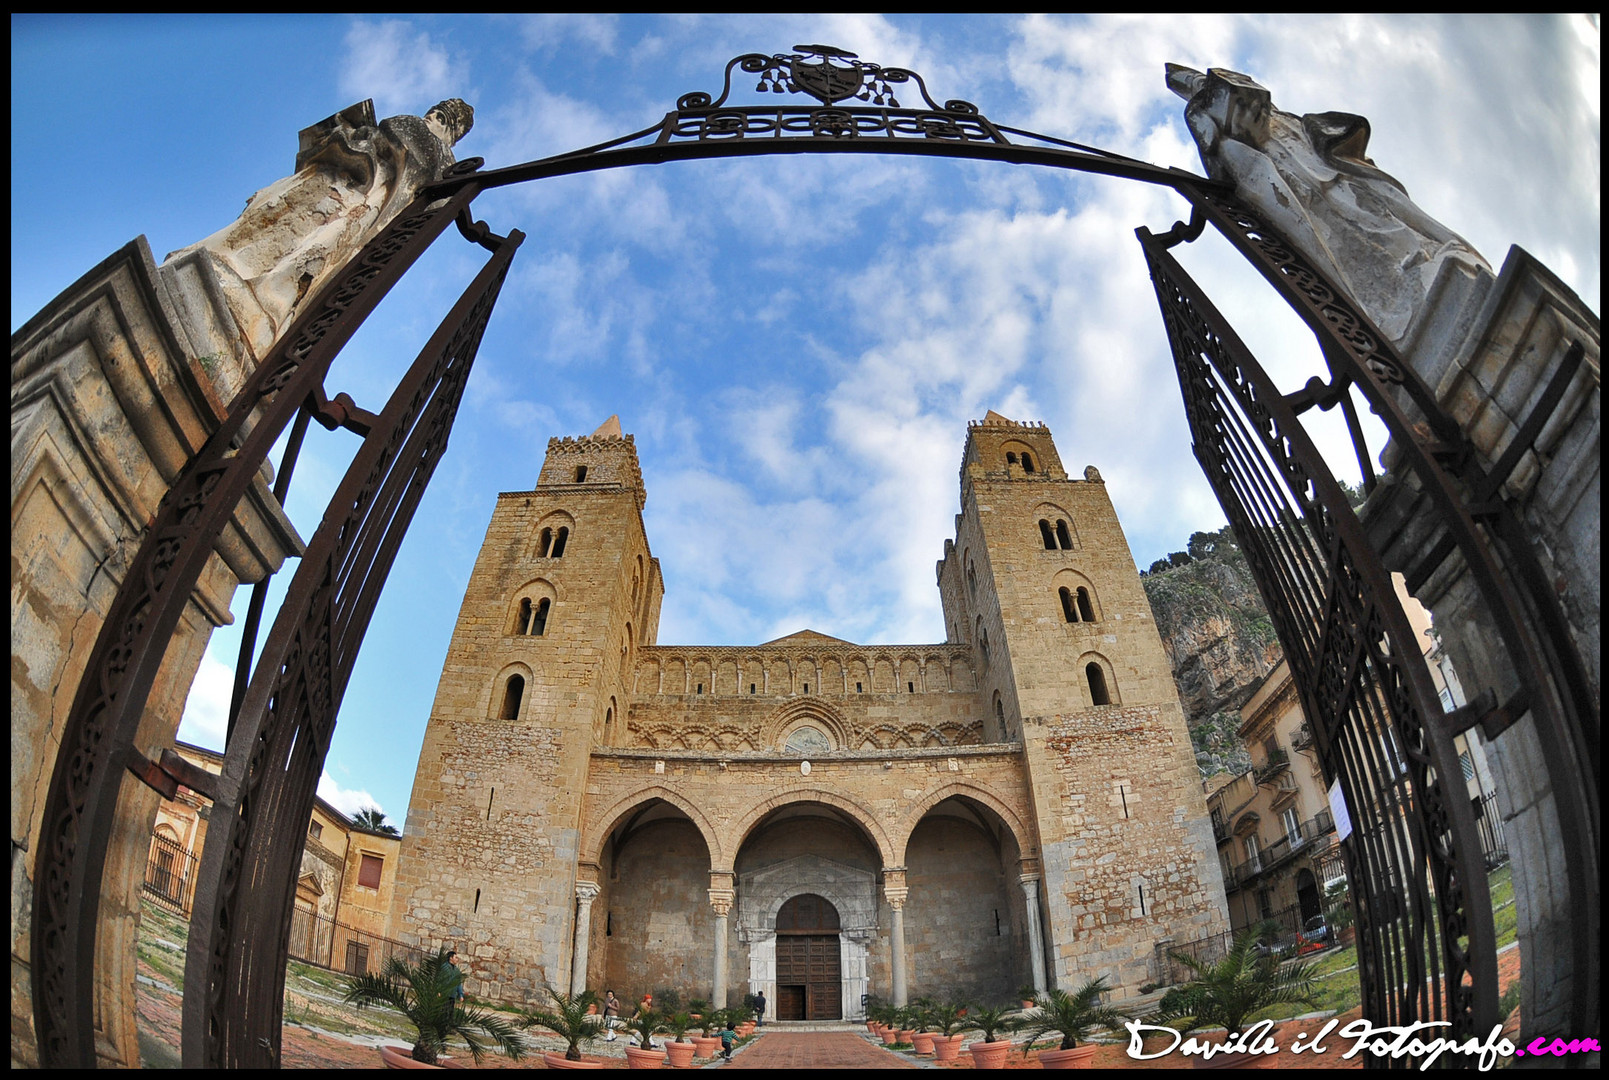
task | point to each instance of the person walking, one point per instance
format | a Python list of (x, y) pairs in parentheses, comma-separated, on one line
[(759, 1009), (611, 1013), (458, 986), (728, 1039)]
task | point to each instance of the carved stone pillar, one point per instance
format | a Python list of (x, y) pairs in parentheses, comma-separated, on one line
[(721, 898), (895, 891), (585, 893), (1036, 939)]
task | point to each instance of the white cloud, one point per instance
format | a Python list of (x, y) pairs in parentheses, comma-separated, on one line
[(401, 68), (206, 711), (347, 800)]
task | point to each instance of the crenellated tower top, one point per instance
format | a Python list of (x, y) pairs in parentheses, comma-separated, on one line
[(606, 458)]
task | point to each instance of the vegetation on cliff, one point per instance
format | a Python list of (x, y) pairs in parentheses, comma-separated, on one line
[(1218, 637)]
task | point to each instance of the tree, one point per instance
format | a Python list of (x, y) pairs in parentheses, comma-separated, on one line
[(1243, 983), (426, 993), (372, 819), (1161, 566), (1074, 1015), (569, 1019), (1179, 558)]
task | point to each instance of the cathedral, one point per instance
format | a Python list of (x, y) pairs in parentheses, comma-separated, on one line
[(808, 817)]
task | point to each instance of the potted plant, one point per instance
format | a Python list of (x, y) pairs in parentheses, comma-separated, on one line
[(947, 1019), (1230, 992), (679, 1049), (426, 993), (1074, 1015), (991, 1020), (643, 1025), (1028, 993), (707, 1044), (922, 1037), (906, 1021), (751, 1010), (569, 1020)]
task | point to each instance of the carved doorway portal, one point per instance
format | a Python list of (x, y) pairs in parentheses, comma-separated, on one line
[(808, 969)]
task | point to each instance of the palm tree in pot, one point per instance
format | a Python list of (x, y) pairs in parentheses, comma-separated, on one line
[(948, 1019), (1230, 992), (427, 994), (644, 1024), (680, 1048), (1074, 1016), (992, 1021), (569, 1019)]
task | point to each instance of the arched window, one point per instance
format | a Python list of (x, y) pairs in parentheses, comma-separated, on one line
[(539, 625), (1046, 535), (524, 622), (1063, 535), (1011, 457), (1098, 694), (972, 580), (560, 540), (1027, 462), (983, 644), (580, 473), (1068, 608), (1085, 608), (999, 710), (546, 542), (513, 691)]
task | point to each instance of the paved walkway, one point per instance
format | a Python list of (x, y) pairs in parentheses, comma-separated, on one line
[(815, 1050)]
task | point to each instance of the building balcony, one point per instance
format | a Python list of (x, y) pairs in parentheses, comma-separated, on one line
[(1303, 739), (1279, 759), (1220, 832)]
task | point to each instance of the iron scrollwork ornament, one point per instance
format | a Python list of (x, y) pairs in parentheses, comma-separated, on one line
[(828, 74)]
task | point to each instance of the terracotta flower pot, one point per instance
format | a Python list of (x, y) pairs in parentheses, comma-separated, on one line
[(923, 1041), (1076, 1058), (1027, 1003), (644, 1059), (905, 1034), (706, 1046), (401, 1059), (746, 1027), (990, 1055), (680, 1054), (890, 1036), (559, 1061), (946, 1047)]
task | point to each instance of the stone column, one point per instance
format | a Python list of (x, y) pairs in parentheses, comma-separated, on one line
[(895, 891), (585, 893), (721, 897), (1036, 940)]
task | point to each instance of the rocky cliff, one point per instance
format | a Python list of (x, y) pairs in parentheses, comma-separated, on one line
[(1219, 639)]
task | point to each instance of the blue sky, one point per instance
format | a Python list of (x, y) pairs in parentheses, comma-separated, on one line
[(797, 343)]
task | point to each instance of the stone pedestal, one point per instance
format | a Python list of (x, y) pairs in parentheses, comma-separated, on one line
[(113, 386), (1490, 356)]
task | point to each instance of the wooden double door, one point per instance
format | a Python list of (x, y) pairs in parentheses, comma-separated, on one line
[(809, 977)]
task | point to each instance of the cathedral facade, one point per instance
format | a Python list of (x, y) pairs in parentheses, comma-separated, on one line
[(808, 817)]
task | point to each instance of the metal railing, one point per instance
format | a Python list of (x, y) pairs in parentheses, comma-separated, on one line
[(1278, 760), (319, 940), (1313, 836), (170, 875)]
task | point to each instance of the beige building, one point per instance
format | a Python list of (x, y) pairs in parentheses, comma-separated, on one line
[(344, 887), (1277, 846), (810, 817)]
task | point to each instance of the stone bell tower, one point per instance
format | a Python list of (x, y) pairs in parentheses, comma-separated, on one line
[(1041, 583), (562, 594)]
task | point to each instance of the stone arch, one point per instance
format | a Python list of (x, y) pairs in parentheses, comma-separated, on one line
[(525, 601), (812, 710), (865, 819), (551, 524), (883, 674), (499, 687), (1082, 591), (599, 826), (1114, 694), (1062, 525), (935, 673), (969, 790)]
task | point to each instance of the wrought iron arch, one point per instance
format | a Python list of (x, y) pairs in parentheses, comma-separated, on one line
[(285, 714)]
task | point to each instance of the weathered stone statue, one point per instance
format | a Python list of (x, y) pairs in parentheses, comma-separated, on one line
[(352, 177), (1310, 176)]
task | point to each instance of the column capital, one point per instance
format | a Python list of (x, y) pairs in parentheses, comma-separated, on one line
[(587, 891), (1030, 884), (896, 896), (721, 900)]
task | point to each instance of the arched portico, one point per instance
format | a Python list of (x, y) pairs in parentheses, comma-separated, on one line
[(598, 827)]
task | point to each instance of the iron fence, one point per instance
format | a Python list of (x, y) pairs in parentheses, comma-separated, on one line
[(170, 875), (324, 942), (1494, 846)]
